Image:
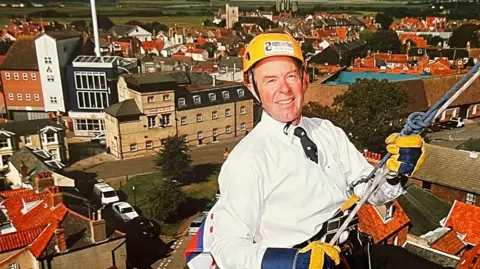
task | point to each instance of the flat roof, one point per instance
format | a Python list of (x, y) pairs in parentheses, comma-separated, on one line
[(347, 77)]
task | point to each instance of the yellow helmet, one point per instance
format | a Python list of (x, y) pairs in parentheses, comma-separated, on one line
[(268, 45)]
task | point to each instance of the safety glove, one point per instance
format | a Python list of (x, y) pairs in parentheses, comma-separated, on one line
[(316, 255), (408, 154)]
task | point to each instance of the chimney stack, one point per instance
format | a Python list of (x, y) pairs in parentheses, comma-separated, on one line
[(60, 240), (43, 181), (98, 228), (214, 83)]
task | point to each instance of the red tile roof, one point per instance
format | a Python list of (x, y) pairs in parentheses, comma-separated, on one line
[(11, 241), (449, 243), (41, 242), (468, 259), (465, 219), (372, 224), (150, 45), (11, 193)]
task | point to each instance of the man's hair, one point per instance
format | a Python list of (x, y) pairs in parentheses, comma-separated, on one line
[(298, 63)]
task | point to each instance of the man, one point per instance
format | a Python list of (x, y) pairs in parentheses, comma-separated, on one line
[(290, 175)]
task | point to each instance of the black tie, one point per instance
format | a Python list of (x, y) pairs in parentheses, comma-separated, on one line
[(308, 146)]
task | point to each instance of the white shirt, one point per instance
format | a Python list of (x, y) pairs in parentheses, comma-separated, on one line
[(273, 196)]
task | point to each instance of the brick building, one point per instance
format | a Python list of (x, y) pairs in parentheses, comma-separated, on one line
[(450, 174), (154, 106), (21, 81)]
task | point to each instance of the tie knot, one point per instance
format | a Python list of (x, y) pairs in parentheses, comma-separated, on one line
[(300, 132)]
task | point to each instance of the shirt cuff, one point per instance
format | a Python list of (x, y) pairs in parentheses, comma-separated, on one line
[(279, 258)]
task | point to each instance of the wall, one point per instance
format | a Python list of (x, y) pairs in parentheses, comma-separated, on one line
[(24, 260), (111, 135), (94, 257), (323, 94), (401, 237), (63, 181), (445, 193), (23, 87)]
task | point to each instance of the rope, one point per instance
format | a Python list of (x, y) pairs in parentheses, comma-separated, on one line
[(415, 124)]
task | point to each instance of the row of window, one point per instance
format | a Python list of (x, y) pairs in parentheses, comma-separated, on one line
[(89, 125), (200, 136), (197, 99), (199, 117), (164, 120), (151, 99), (28, 97), (92, 99), (24, 76), (90, 80), (48, 138)]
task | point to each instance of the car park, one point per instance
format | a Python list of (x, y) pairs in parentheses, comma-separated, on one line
[(124, 211), (195, 225)]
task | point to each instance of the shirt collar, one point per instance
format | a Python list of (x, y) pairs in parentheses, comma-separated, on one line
[(278, 129)]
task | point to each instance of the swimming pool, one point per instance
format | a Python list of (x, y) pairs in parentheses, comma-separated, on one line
[(347, 77)]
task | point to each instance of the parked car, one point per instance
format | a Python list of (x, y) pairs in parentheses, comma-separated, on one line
[(124, 211), (105, 193), (195, 225), (99, 138), (208, 208)]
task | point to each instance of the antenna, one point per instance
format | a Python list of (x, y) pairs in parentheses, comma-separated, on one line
[(95, 28)]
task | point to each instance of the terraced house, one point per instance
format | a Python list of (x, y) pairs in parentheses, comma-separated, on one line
[(195, 106)]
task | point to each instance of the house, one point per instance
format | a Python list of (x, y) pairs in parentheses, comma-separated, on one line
[(36, 134), (465, 219), (39, 231), (197, 54), (134, 31), (153, 106), (54, 50), (155, 46), (450, 174), (21, 81), (92, 84), (341, 54)]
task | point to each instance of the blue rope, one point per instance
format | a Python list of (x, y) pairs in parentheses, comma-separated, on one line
[(418, 121)]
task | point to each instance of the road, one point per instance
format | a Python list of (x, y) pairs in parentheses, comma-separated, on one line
[(176, 259)]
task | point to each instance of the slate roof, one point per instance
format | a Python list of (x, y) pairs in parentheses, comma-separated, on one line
[(21, 55), (125, 108), (423, 209), (121, 30), (465, 219), (450, 167), (28, 127), (432, 255), (25, 160), (63, 34)]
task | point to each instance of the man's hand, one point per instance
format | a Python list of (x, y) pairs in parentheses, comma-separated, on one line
[(408, 153), (318, 255)]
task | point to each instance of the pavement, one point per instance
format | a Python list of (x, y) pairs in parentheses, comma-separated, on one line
[(457, 136), (176, 259)]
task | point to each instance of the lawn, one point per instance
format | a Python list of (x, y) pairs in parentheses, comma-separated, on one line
[(197, 195)]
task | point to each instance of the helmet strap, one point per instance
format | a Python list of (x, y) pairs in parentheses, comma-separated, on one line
[(255, 88)]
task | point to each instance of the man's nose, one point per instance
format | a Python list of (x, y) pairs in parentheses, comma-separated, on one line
[(284, 87)]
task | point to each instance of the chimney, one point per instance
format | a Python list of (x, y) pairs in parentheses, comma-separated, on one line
[(98, 228), (60, 240), (43, 181), (214, 77), (57, 199)]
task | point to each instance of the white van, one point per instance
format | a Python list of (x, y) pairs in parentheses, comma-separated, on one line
[(105, 193)]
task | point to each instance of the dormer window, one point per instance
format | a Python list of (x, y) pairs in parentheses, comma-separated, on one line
[(226, 95), (241, 93), (212, 96), (386, 211), (4, 143), (181, 102), (197, 100)]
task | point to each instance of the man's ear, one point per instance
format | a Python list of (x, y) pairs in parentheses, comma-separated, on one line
[(306, 81)]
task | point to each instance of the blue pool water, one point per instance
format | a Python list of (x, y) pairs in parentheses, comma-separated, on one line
[(347, 78)]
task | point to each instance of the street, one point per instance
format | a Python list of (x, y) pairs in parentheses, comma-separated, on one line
[(176, 260)]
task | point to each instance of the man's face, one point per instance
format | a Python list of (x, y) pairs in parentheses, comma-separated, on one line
[(281, 88)]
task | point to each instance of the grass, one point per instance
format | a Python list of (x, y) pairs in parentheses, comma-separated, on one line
[(142, 184), (470, 145)]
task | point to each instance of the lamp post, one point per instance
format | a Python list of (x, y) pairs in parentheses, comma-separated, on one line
[(134, 196)]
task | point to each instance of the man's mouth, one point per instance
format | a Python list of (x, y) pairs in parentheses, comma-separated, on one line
[(285, 102)]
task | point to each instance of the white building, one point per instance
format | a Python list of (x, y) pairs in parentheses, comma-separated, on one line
[(54, 49), (130, 31)]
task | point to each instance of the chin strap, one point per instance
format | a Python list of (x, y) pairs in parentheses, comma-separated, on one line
[(285, 128)]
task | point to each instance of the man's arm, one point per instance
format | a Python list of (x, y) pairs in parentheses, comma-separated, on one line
[(236, 214), (356, 166)]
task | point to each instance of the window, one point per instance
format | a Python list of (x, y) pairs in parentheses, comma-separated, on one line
[(212, 96), (133, 147), (152, 122), (28, 140), (48, 60), (227, 112), (25, 76), (15, 76), (199, 117), (90, 80), (34, 76), (7, 76), (28, 97), (19, 96), (243, 110), (166, 97), (181, 102), (166, 119), (200, 135), (471, 198), (243, 126), (4, 143), (54, 153), (36, 97), (226, 95), (183, 120), (92, 99), (53, 100), (241, 93), (185, 138), (228, 129), (50, 78), (426, 185), (215, 132), (474, 109), (149, 144), (51, 138), (14, 266), (197, 100), (150, 99), (214, 115), (89, 125), (10, 96)]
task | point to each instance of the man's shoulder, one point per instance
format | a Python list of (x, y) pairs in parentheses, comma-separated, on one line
[(315, 123), (251, 144)]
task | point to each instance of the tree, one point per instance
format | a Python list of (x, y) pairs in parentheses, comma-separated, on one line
[(384, 20), (79, 25), (103, 22), (210, 48), (163, 200), (384, 41), (237, 26), (366, 34), (368, 112), (464, 34), (174, 160), (307, 46), (207, 22)]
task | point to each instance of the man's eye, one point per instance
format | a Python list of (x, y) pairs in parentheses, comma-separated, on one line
[(270, 81), (292, 76)]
